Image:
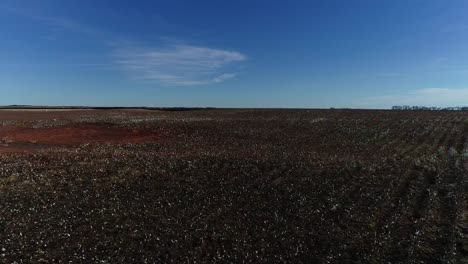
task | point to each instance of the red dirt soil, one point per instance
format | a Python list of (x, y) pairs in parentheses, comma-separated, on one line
[(29, 139)]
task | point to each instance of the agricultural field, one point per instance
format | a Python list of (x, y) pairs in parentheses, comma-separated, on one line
[(233, 186)]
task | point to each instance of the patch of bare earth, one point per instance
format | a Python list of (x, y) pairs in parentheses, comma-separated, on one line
[(30, 139)]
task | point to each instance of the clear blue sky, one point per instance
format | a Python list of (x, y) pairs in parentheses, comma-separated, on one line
[(244, 53)]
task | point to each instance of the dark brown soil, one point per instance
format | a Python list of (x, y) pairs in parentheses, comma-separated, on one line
[(234, 186)]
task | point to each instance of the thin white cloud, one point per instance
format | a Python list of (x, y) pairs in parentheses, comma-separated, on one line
[(440, 97), (172, 64), (223, 77), (180, 64), (57, 23)]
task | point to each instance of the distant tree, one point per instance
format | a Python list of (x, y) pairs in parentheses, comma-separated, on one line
[(429, 108)]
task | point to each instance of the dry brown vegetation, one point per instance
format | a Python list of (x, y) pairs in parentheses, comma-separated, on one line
[(233, 186)]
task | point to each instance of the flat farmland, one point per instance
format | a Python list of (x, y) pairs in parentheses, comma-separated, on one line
[(233, 186)]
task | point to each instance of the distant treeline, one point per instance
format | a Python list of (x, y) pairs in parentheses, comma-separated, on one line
[(105, 108), (430, 108)]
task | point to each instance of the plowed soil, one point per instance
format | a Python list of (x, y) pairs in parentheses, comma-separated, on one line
[(31, 139), (75, 135), (234, 186)]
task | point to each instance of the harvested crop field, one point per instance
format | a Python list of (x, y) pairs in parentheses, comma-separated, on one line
[(233, 186)]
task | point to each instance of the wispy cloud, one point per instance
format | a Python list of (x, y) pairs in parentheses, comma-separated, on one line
[(55, 22), (425, 97), (171, 64), (180, 64)]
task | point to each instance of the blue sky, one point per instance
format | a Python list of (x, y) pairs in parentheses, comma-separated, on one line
[(245, 53)]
